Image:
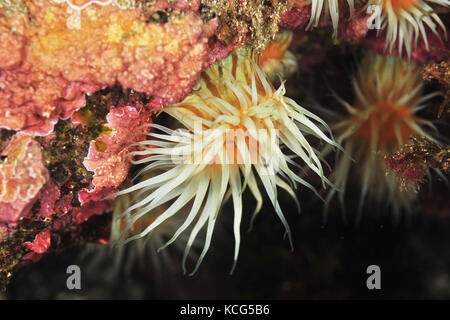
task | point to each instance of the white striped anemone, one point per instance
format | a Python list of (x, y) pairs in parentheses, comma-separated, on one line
[(406, 20), (238, 130), (333, 9), (388, 94)]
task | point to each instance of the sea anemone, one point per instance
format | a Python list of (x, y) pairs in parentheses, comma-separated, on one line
[(236, 127), (404, 20), (388, 93), (333, 8), (276, 61)]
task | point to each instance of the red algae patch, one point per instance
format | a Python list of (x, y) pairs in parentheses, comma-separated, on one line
[(47, 64), (22, 175)]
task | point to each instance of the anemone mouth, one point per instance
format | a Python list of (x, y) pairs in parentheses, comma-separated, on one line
[(238, 132), (385, 114), (398, 5), (406, 20), (388, 95)]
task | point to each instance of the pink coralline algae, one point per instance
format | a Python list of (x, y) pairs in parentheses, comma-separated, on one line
[(107, 153), (41, 243), (49, 195), (409, 172), (412, 162), (297, 16), (107, 156), (354, 29), (47, 65), (82, 214), (22, 175)]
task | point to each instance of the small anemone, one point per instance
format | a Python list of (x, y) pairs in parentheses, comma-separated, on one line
[(276, 61), (388, 94), (236, 130)]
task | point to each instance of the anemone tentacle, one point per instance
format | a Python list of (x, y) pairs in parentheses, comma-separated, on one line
[(404, 21), (333, 9)]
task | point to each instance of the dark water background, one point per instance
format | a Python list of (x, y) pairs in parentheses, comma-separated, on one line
[(329, 262)]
